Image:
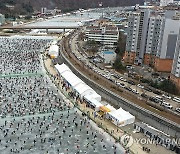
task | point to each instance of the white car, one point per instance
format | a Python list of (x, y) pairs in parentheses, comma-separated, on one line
[(167, 105), (140, 86), (178, 110), (135, 91), (122, 79), (166, 96), (120, 84)]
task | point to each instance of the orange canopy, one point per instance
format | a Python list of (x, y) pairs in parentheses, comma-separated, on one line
[(104, 109)]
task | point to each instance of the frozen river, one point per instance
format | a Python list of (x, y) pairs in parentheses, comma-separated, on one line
[(34, 117)]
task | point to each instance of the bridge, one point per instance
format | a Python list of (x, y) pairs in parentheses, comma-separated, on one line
[(37, 27)]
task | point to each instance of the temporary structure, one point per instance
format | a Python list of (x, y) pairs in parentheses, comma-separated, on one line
[(62, 68), (93, 95), (82, 89), (71, 78), (120, 117), (54, 51), (104, 109)]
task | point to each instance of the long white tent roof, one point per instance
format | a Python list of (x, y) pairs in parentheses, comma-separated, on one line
[(83, 88), (92, 100), (71, 78), (121, 115), (93, 96), (62, 68)]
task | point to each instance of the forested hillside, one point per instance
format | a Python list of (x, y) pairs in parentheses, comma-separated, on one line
[(16, 7)]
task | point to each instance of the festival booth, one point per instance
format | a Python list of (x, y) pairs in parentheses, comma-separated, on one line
[(71, 79), (103, 110), (93, 95), (120, 117), (93, 102), (53, 51), (62, 68), (82, 89)]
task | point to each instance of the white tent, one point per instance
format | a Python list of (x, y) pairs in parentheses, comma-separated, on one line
[(110, 107), (93, 102), (121, 117), (62, 68), (54, 51), (71, 78), (93, 96), (82, 89)]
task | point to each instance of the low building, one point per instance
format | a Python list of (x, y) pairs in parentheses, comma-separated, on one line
[(107, 35), (2, 19), (108, 56)]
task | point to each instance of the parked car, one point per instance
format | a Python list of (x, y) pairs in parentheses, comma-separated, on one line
[(131, 82), (128, 88), (177, 110), (122, 79), (140, 86), (153, 99), (157, 92), (120, 84), (148, 89), (166, 96), (144, 95), (135, 91), (167, 105)]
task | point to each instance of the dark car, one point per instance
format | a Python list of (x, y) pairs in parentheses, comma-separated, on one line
[(153, 100), (157, 92), (144, 95), (128, 88), (131, 82), (148, 89)]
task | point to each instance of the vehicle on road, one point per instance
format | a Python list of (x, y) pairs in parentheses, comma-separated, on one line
[(167, 105), (140, 86), (128, 88), (131, 82), (144, 95), (120, 84), (157, 92), (176, 99), (166, 96), (148, 89), (135, 91), (177, 110), (122, 79), (153, 99)]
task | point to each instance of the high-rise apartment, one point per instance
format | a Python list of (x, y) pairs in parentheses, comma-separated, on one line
[(175, 73), (152, 38), (136, 36)]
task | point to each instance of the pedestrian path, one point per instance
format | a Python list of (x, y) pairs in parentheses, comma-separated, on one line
[(21, 75)]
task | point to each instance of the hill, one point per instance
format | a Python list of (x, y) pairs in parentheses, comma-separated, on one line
[(16, 7)]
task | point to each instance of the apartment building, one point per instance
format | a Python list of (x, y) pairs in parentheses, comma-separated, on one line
[(152, 38), (107, 35), (156, 23), (175, 73), (136, 36), (165, 54)]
